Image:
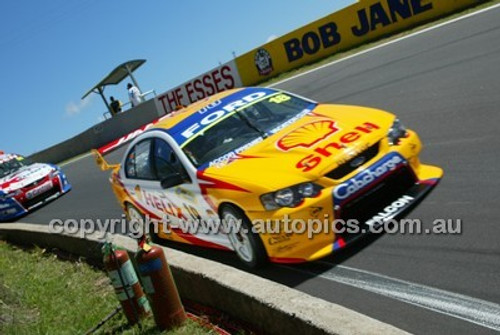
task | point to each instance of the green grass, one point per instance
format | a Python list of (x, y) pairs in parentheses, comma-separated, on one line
[(42, 294), (374, 43)]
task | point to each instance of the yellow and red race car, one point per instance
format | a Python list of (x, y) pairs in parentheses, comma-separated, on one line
[(271, 175)]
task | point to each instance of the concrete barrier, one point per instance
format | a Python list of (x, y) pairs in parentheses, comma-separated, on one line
[(99, 134), (270, 307)]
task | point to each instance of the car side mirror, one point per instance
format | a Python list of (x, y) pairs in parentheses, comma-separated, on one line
[(172, 179)]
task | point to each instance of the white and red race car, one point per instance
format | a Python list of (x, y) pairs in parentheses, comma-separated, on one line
[(25, 185)]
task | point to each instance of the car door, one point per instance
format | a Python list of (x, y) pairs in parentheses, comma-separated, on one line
[(160, 184), (197, 221)]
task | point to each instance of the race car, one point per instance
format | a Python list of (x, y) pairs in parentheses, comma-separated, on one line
[(25, 186), (263, 164)]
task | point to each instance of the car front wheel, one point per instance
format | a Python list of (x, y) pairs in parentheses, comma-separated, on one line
[(245, 242)]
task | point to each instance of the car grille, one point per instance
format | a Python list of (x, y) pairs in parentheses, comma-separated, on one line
[(346, 168), (36, 183), (365, 206), (31, 202)]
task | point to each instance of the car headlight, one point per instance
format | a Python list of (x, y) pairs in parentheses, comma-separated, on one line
[(397, 132), (290, 196), (53, 173), (12, 194)]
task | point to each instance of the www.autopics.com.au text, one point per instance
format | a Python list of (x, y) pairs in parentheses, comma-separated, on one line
[(311, 227)]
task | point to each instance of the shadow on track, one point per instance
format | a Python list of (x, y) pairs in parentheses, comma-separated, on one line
[(276, 272)]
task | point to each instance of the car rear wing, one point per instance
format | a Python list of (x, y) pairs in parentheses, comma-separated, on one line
[(102, 163)]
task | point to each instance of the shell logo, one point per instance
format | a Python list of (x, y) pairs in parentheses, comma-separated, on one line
[(308, 135)]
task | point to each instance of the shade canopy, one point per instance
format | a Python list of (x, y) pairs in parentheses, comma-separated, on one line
[(117, 75)]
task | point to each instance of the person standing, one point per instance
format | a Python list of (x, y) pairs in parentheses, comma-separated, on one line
[(116, 106), (134, 95)]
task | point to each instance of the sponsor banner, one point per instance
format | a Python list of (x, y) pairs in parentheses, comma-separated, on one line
[(217, 80), (355, 25), (212, 114)]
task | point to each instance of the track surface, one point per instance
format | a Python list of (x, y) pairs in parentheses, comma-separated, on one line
[(445, 84)]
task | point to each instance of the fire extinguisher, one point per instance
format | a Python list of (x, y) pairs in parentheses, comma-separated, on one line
[(126, 284), (159, 286)]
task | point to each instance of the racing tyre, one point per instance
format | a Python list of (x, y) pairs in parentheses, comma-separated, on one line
[(246, 243), (137, 220)]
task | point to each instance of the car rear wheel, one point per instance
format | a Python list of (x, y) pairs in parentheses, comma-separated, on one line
[(137, 221), (246, 243)]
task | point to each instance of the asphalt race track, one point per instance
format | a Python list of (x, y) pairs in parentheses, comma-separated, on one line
[(445, 84)]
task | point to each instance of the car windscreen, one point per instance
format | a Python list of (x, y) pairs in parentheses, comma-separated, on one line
[(11, 165), (244, 127)]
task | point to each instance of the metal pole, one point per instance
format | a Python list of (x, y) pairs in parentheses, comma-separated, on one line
[(132, 77), (101, 93)]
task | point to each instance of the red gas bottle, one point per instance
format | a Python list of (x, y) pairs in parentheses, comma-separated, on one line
[(160, 287), (127, 287)]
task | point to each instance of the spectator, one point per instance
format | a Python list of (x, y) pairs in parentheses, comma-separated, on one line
[(134, 95), (116, 106)]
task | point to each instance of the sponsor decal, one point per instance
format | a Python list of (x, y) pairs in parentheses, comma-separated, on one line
[(312, 160), (9, 211), (3, 206), (390, 211), (292, 120), (162, 203), (308, 135), (184, 131), (263, 62), (369, 19), (286, 248), (315, 211), (368, 177), (278, 239), (209, 107), (40, 190), (233, 155), (311, 42), (214, 117)]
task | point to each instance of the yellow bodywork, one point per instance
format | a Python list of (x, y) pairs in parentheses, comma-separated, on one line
[(304, 151)]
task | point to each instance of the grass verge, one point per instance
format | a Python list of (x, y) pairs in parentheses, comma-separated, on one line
[(42, 294)]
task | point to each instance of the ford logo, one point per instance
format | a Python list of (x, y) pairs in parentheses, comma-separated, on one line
[(358, 161)]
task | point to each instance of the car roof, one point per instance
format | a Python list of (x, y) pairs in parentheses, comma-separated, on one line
[(178, 121), (7, 157), (175, 117)]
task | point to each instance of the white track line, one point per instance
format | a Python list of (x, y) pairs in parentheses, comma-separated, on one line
[(76, 159), (481, 312), (389, 43)]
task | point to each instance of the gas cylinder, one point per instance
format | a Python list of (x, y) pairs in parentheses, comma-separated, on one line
[(159, 286), (126, 284)]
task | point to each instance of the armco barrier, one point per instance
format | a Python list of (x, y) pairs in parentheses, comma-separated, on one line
[(358, 24), (270, 307), (100, 134)]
